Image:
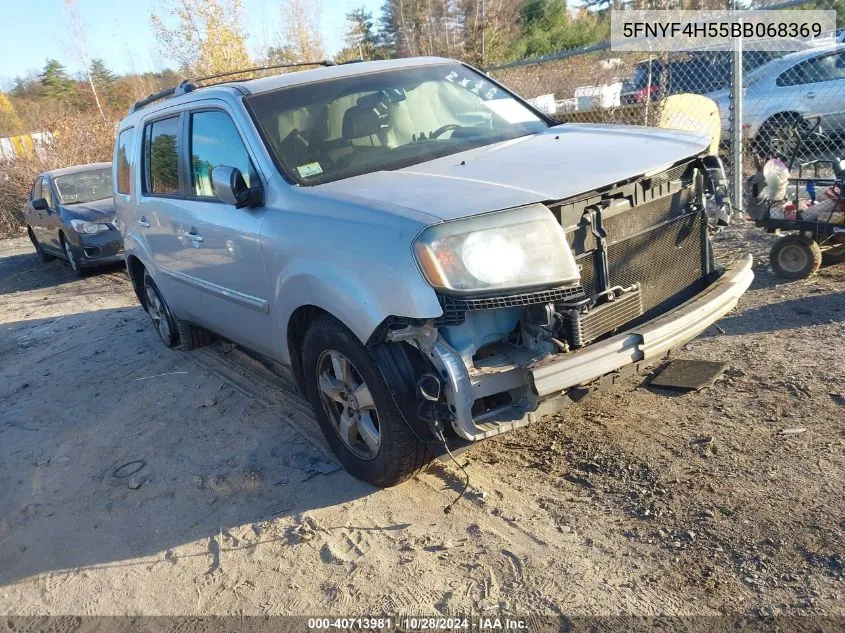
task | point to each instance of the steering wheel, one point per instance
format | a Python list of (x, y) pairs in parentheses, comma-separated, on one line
[(443, 129)]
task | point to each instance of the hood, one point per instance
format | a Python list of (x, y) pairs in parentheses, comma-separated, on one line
[(94, 211), (562, 162)]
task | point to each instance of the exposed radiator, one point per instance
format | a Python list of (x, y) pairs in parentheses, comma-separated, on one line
[(583, 327), (670, 261)]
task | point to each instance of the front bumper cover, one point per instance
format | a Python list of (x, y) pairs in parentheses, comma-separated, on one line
[(553, 377), (100, 248), (650, 340)]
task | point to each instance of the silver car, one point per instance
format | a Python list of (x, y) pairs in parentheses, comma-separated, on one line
[(785, 92), (435, 260)]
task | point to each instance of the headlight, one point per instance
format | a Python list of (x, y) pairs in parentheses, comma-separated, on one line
[(518, 248), (81, 226)]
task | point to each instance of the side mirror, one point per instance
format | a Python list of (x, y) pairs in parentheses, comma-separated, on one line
[(229, 185), (40, 204)]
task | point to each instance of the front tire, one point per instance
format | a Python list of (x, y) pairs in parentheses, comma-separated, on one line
[(795, 257), (73, 258), (355, 409)]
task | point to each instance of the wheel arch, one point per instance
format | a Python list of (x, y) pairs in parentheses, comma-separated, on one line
[(360, 302), (399, 364), (297, 325), (135, 269), (785, 115)]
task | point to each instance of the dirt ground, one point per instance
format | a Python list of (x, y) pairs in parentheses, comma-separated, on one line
[(728, 500)]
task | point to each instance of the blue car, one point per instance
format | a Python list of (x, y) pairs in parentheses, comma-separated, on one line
[(70, 214)]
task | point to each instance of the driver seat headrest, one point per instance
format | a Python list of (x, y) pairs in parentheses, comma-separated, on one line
[(365, 119)]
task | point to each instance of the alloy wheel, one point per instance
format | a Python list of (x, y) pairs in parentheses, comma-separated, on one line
[(349, 404), (159, 314), (69, 254)]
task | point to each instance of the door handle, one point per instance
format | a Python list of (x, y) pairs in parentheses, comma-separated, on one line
[(194, 237), (811, 95), (143, 222)]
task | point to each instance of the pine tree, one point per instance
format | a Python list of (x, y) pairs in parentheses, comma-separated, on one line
[(56, 83), (103, 79), (548, 27), (362, 42), (398, 34)]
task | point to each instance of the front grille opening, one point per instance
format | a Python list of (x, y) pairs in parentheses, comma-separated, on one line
[(455, 308)]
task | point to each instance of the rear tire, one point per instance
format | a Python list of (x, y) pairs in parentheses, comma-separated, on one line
[(37, 245), (355, 409), (173, 331), (795, 257), (835, 255)]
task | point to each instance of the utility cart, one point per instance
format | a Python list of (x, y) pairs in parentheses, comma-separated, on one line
[(815, 233)]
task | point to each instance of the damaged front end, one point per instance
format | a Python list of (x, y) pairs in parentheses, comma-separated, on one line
[(633, 278)]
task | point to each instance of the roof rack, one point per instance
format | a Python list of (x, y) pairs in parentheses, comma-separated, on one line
[(187, 85)]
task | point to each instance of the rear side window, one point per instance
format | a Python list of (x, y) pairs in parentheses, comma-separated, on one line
[(161, 157), (816, 70), (123, 159), (215, 141)]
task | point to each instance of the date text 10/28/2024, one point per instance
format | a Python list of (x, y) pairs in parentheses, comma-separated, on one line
[(479, 623)]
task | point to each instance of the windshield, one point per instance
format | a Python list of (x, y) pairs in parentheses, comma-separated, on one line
[(85, 186), (328, 130)]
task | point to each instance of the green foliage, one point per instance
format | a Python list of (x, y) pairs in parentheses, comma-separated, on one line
[(389, 28), (548, 28), (104, 81), (163, 163), (362, 41), (836, 5), (482, 32), (55, 81)]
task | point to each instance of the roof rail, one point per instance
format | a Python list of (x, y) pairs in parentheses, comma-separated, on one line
[(187, 86)]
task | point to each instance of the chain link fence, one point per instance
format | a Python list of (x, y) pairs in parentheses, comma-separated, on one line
[(793, 103)]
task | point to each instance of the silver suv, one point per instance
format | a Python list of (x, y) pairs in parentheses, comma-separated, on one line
[(435, 260)]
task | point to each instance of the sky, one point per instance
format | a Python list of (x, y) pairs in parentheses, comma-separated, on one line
[(119, 32)]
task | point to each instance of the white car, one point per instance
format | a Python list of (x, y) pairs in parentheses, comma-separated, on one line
[(788, 90)]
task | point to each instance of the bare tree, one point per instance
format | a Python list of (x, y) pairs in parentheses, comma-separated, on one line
[(78, 46), (300, 33), (203, 36)]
